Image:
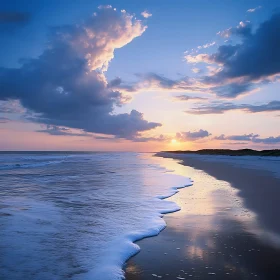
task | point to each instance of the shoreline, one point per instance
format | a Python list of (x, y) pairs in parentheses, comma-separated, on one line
[(255, 195), (156, 232), (254, 226)]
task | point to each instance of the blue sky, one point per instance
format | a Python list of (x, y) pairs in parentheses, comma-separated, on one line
[(174, 30)]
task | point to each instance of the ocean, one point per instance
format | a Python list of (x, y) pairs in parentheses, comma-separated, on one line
[(76, 215)]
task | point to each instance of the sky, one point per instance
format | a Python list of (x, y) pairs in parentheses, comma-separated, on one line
[(139, 75)]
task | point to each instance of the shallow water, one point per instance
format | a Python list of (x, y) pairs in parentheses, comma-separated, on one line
[(70, 215)]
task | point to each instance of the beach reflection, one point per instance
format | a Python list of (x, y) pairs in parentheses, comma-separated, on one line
[(214, 234), (207, 203), (206, 199)]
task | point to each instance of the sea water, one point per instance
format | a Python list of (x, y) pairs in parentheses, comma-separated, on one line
[(77, 215)]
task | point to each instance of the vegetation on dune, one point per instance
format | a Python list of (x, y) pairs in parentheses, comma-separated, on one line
[(228, 152)]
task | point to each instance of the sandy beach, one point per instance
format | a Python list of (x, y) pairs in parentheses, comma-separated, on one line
[(227, 227)]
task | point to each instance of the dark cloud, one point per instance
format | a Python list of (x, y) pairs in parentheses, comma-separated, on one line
[(163, 81), (66, 85), (232, 89), (221, 137), (272, 106), (56, 130), (184, 97), (257, 56), (268, 140), (220, 108), (192, 136), (253, 138), (115, 82), (243, 29), (160, 138), (118, 84), (153, 81), (254, 61), (244, 137), (234, 69)]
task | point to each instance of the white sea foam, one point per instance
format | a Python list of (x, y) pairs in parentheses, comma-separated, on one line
[(124, 248), (82, 215)]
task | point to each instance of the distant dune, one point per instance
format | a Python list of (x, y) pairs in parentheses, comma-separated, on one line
[(228, 152)]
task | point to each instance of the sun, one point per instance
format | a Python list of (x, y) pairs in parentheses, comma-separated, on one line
[(173, 141)]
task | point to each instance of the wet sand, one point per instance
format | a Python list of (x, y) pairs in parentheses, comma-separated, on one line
[(228, 227)]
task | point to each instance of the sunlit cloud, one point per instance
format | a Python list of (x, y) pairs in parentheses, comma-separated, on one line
[(146, 14), (196, 70), (244, 28), (199, 58), (66, 85), (252, 10), (236, 69), (198, 48)]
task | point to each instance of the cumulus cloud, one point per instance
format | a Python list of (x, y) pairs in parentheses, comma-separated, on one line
[(252, 10), (192, 136), (66, 86), (234, 69), (146, 14), (220, 108), (254, 61)]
